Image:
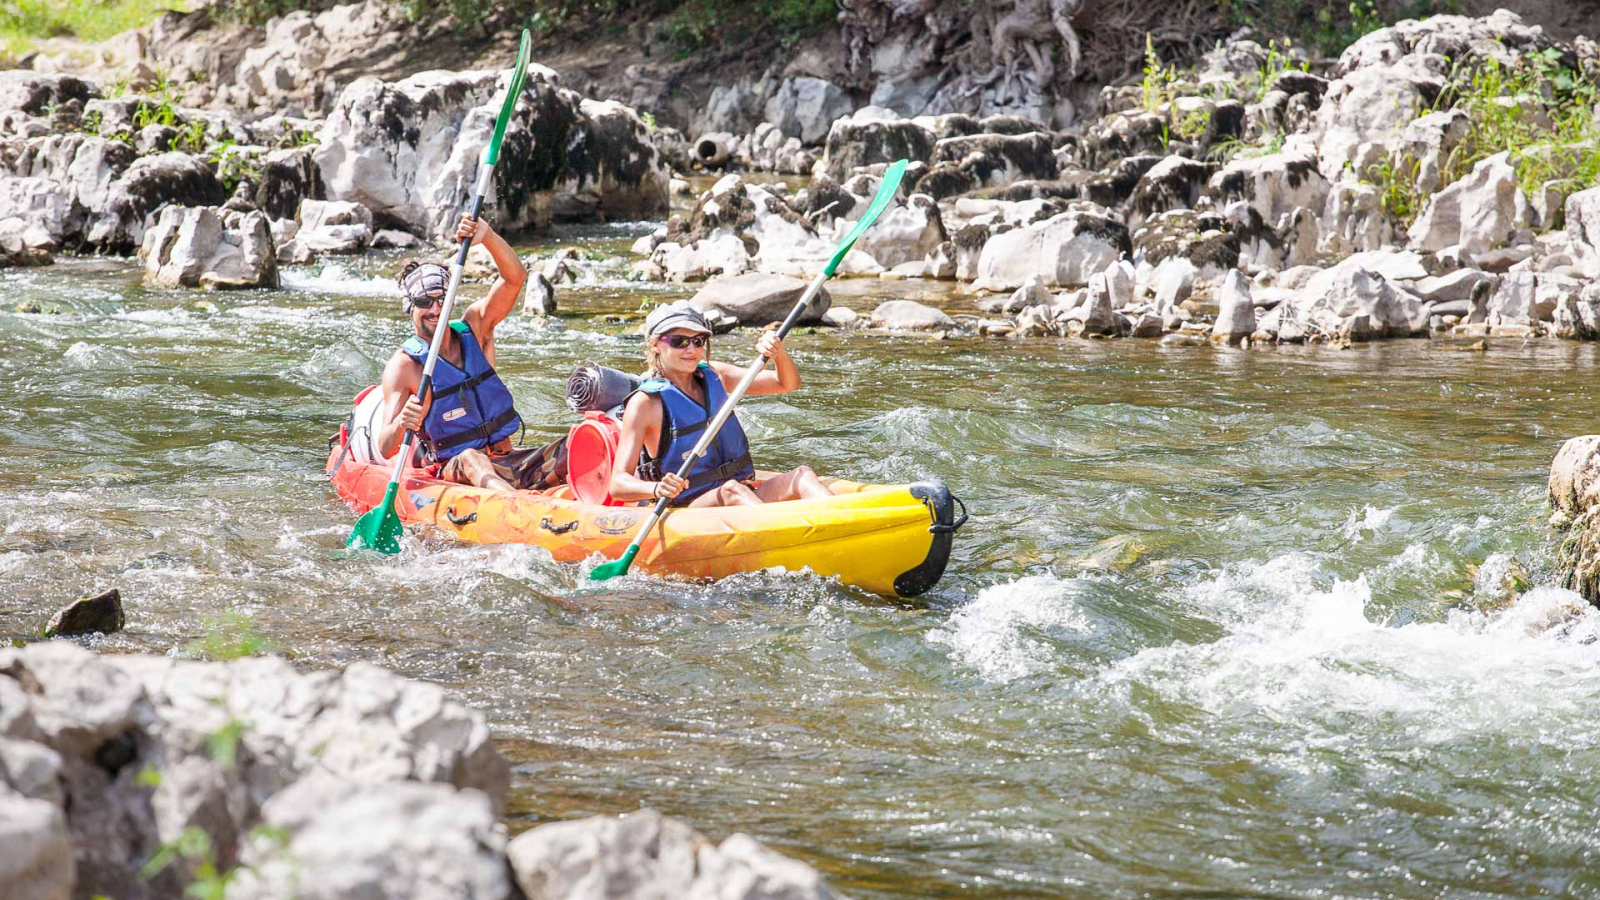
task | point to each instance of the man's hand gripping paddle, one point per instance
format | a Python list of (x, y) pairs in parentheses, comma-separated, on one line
[(380, 528), (886, 192)]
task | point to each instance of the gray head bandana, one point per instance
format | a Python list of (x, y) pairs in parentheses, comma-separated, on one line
[(425, 281)]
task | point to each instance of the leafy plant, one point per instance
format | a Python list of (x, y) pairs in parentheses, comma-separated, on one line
[(162, 109), (1154, 90), (648, 119), (1396, 181), (1234, 148), (229, 635), (193, 846), (191, 137), (1192, 126), (1538, 111)]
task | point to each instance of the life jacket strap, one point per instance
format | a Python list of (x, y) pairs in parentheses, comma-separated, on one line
[(722, 473), (483, 433)]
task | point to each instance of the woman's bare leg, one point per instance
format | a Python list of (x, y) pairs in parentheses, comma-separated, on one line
[(728, 493), (800, 484)]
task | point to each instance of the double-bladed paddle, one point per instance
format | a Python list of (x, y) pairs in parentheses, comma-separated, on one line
[(886, 192), (380, 528)]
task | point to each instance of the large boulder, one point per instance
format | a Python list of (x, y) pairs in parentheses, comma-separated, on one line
[(563, 156), (1174, 183), (333, 226), (24, 244), (756, 298), (1062, 251), (36, 92), (807, 107), (854, 144), (337, 840), (1351, 302), (1236, 313), (62, 184), (36, 863), (909, 315), (303, 57), (150, 183), (288, 177), (209, 248), (909, 232), (995, 160), (1477, 213), (223, 739), (1583, 229), (645, 855)]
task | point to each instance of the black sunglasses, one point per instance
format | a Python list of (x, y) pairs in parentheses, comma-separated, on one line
[(680, 341), (427, 302)]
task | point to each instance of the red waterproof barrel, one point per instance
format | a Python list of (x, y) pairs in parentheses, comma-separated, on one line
[(591, 452)]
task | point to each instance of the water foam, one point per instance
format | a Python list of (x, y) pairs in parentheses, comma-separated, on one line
[(1301, 649), (334, 278), (993, 633)]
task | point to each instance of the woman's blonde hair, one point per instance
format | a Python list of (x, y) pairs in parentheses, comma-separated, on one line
[(652, 354)]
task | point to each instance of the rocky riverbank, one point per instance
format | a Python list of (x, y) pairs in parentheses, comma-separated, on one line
[(1434, 179), (148, 777)]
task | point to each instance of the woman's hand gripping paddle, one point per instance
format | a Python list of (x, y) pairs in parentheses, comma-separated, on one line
[(886, 192), (380, 528)]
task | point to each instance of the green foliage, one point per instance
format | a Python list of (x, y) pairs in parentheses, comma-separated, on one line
[(222, 745), (1155, 89), (25, 22), (191, 138), (1396, 181), (194, 848), (229, 635), (91, 121), (1539, 111), (1277, 63), (161, 108), (1327, 26), (233, 167), (699, 23), (1192, 126), (648, 118), (1232, 148)]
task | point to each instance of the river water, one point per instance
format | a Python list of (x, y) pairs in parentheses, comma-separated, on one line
[(1224, 622)]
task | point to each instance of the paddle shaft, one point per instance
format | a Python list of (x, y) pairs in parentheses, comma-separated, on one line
[(734, 397), (485, 173)]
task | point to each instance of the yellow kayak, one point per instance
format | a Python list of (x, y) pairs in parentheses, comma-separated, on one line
[(888, 539)]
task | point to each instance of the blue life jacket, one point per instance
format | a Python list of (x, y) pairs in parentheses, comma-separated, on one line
[(682, 420), (471, 405)]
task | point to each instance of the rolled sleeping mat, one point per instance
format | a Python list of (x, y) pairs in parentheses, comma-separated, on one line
[(596, 388)]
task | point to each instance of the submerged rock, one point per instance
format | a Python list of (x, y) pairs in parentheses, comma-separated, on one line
[(756, 298)]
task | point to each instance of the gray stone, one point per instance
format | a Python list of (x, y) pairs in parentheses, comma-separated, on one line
[(406, 840), (1062, 251), (37, 862), (1583, 228), (540, 299), (807, 108), (1457, 285), (909, 315), (100, 613), (1236, 316), (1477, 213), (757, 298)]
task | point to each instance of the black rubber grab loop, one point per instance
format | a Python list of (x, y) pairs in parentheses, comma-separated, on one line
[(553, 528), (937, 528), (468, 519)]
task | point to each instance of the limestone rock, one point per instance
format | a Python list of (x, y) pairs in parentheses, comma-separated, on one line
[(1476, 213), (853, 144), (1062, 251), (406, 840), (540, 299), (646, 855), (37, 862), (756, 298), (807, 108), (563, 156), (333, 226), (1173, 183), (210, 248), (909, 315), (1236, 316)]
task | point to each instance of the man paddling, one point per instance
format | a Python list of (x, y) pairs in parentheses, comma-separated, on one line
[(467, 424)]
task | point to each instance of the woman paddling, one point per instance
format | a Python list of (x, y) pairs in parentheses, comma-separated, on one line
[(683, 393)]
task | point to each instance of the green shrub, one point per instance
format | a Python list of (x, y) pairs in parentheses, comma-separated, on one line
[(1539, 111), (23, 22)]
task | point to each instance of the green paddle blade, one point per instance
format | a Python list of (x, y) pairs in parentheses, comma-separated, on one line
[(380, 528), (513, 91), (886, 191), (615, 567)]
